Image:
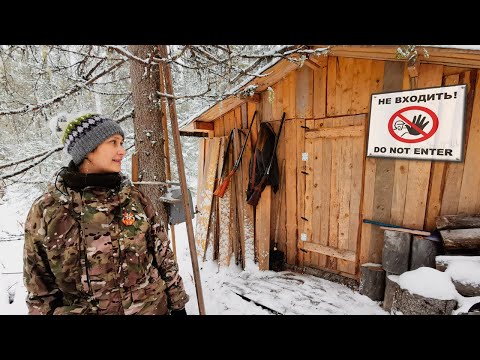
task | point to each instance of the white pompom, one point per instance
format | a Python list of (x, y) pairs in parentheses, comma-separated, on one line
[(58, 124)]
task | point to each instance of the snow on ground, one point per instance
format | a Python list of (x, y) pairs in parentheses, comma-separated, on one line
[(14, 208), (269, 292), (230, 291), (226, 291)]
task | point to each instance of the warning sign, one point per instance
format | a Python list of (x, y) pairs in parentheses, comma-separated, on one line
[(422, 124)]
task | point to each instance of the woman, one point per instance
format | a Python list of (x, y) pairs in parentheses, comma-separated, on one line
[(93, 244)]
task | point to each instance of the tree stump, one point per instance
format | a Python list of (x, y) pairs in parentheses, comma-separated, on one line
[(412, 304), (423, 253), (372, 281), (396, 251), (391, 285)]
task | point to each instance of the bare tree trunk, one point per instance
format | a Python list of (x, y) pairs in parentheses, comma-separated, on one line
[(149, 138)]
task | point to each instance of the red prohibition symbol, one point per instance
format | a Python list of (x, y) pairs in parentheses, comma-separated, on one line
[(424, 135)]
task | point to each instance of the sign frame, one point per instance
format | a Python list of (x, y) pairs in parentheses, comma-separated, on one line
[(387, 155)]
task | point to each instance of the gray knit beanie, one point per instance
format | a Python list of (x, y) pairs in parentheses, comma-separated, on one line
[(86, 132)]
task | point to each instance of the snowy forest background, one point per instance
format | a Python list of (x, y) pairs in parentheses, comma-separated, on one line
[(38, 83), (41, 84)]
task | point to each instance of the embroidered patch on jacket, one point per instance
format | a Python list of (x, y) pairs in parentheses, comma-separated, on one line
[(128, 218)]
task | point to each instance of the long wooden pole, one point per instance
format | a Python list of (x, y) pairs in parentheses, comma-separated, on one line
[(166, 149), (183, 180)]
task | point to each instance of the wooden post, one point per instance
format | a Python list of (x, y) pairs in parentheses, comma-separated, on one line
[(183, 180), (239, 191), (263, 228), (134, 167), (166, 149)]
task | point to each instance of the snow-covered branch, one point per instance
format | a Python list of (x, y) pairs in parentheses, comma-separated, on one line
[(180, 53), (2, 166), (28, 167), (129, 55), (170, 96), (245, 72), (127, 115), (75, 88), (93, 56)]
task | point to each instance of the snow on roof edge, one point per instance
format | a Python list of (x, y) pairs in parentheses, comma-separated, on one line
[(229, 93), (274, 61), (236, 88), (460, 47)]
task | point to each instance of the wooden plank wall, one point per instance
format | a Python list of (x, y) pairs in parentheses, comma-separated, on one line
[(421, 190), (308, 95), (400, 190), (408, 193)]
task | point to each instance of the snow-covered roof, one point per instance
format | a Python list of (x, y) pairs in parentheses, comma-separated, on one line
[(462, 47), (232, 91), (269, 75), (468, 55)]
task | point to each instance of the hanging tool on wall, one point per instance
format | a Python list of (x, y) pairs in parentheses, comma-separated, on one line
[(277, 257), (215, 199), (220, 192), (257, 190), (385, 226)]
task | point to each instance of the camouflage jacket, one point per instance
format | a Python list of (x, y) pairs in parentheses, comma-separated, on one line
[(99, 251)]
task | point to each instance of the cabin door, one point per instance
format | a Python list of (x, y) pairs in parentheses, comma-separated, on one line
[(333, 162)]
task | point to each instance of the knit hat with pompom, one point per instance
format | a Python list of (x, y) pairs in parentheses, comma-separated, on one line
[(85, 133)]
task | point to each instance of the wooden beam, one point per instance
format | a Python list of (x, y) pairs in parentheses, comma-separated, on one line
[(194, 133), (183, 180), (312, 64), (416, 194), (135, 166), (255, 98), (263, 228), (291, 194), (203, 125), (239, 191), (410, 231), (166, 149), (327, 250), (440, 56)]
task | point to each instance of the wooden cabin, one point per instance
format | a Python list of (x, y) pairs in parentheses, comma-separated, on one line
[(328, 184)]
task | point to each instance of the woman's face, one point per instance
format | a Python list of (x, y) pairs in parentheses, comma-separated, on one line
[(106, 158)]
